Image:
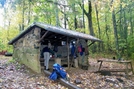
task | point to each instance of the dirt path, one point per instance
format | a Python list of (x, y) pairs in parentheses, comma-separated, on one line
[(16, 76)]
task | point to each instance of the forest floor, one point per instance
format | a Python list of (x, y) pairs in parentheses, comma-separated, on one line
[(16, 76)]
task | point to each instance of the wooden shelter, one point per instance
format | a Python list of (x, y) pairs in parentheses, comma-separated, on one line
[(28, 44)]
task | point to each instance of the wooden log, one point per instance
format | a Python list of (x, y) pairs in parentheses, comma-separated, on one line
[(63, 82), (126, 62), (109, 60), (115, 70), (8, 54)]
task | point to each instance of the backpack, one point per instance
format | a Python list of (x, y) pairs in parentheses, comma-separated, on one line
[(79, 49), (60, 71), (53, 75)]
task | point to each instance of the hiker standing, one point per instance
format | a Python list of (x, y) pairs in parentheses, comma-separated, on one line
[(46, 54), (73, 54)]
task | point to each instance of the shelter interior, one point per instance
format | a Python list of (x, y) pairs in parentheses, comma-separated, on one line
[(54, 38), (63, 44)]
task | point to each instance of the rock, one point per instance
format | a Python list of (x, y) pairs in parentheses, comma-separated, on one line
[(111, 80), (120, 80), (77, 81), (1, 80), (105, 73), (1, 67)]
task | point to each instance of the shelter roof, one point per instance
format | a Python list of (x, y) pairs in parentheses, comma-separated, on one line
[(55, 32)]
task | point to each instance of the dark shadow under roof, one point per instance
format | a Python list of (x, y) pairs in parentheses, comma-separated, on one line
[(55, 29)]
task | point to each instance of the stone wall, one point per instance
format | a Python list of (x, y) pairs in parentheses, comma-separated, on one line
[(27, 50)]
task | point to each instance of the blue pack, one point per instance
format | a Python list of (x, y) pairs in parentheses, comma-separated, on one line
[(53, 75), (58, 72)]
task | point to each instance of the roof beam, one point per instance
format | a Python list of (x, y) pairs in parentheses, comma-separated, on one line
[(91, 43), (42, 37)]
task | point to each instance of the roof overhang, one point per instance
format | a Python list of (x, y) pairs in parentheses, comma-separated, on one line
[(55, 30)]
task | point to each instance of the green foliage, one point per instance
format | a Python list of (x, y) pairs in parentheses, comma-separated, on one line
[(5, 37), (11, 61), (1, 45), (99, 55), (131, 46)]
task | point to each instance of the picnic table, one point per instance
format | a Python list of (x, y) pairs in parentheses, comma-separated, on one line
[(126, 62)]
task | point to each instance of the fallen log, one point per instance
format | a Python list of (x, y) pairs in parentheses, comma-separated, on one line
[(63, 82)]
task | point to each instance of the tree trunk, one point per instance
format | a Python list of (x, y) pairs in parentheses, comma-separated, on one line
[(75, 19), (23, 12), (56, 12), (29, 10), (131, 22), (65, 24), (83, 14), (107, 36), (89, 16), (125, 36), (120, 22), (98, 24), (90, 25), (115, 27)]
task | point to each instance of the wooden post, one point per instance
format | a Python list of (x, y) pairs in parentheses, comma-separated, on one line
[(131, 67), (100, 65), (68, 53)]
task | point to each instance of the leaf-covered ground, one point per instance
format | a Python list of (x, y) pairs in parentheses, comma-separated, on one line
[(91, 80), (16, 76)]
